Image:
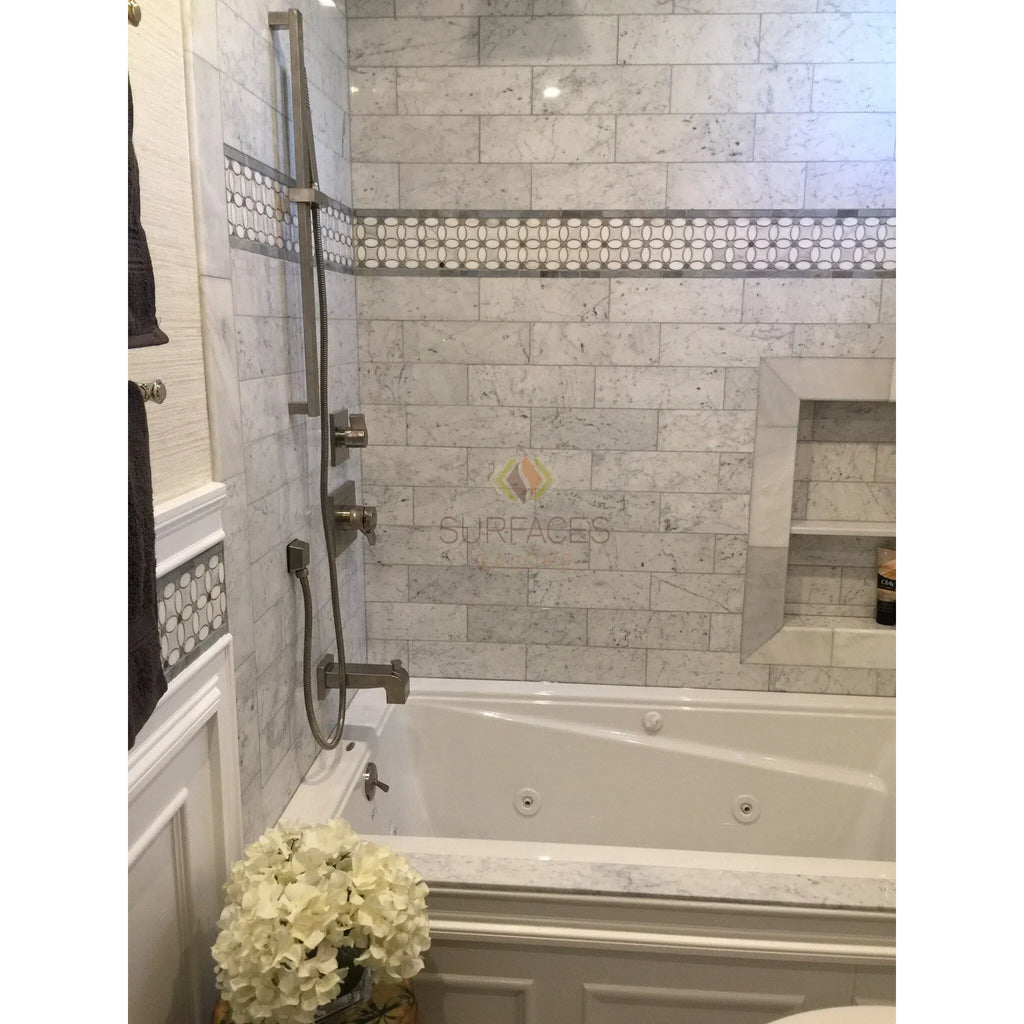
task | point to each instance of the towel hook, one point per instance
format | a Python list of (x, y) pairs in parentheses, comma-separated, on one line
[(154, 391), (134, 12)]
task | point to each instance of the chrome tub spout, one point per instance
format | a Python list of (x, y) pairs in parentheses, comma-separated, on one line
[(393, 680)]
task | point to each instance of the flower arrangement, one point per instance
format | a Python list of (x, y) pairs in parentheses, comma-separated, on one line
[(303, 904)]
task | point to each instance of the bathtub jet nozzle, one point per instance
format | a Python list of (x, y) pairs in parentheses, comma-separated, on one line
[(393, 679)]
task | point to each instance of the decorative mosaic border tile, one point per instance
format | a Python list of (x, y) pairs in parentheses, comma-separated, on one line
[(673, 243), (192, 609), (261, 219)]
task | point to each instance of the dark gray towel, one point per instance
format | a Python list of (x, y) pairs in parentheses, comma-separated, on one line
[(142, 326), (146, 683)]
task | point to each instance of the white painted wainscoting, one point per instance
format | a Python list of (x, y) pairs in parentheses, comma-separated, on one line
[(184, 804)]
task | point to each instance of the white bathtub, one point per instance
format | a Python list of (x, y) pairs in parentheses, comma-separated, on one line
[(665, 826)]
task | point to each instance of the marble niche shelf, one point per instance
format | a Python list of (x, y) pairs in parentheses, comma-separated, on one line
[(841, 528)]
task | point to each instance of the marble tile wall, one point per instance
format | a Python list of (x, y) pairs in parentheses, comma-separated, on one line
[(269, 459), (563, 463)]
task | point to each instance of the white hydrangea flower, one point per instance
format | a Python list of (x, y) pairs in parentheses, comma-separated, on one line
[(301, 895)]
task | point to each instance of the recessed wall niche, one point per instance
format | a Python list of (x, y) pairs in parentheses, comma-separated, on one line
[(822, 501)]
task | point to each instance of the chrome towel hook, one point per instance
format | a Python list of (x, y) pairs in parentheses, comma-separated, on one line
[(154, 391), (134, 12)]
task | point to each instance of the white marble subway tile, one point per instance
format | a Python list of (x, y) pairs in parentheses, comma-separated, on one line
[(472, 186), (859, 87), (872, 647), (697, 592), (567, 469), (851, 184), (851, 420), (688, 39), (224, 363), (812, 679), (885, 466), (835, 461), (263, 287), (247, 718), (816, 137), (460, 8), (271, 462), (656, 471), (705, 670), (547, 138), (813, 584), (853, 552), (474, 427), (244, 51), (571, 386), (811, 301), (413, 466), (735, 186), (654, 552), (870, 6), (382, 138), (468, 585), (617, 89), (668, 138), (735, 473), (659, 387), (733, 345), (416, 621), (464, 90), (887, 310), (688, 631), (804, 644), (381, 652), (862, 502), (373, 91), (725, 633), (586, 589), (502, 624), (418, 298), (742, 88), (418, 383), (590, 429), (412, 42), (538, 299), (487, 550), (251, 125), (470, 342), (705, 430), (369, 9), (586, 665), (610, 186), (679, 300), (265, 406), (414, 545), (596, 512), (466, 504), (385, 423), (548, 40), (594, 344), (705, 513), (394, 503), (449, 660), (544, 7), (386, 582), (870, 341), (828, 38), (730, 553), (745, 6), (374, 186), (380, 341)]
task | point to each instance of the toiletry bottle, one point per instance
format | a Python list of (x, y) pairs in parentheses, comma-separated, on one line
[(885, 604)]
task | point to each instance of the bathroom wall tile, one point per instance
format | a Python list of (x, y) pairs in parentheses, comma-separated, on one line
[(380, 341), (860, 87), (606, 186), (532, 385), (416, 621), (808, 645), (752, 6), (705, 513), (586, 665), (548, 40), (502, 624), (873, 647), (885, 466), (386, 582), (710, 670), (418, 138), (813, 584), (472, 342), (547, 138), (602, 7), (857, 591), (656, 471), (851, 184), (670, 630), (382, 652), (414, 545), (373, 91), (404, 42), (413, 466), (267, 346), (221, 368), (828, 38), (709, 430), (459, 8), (250, 124), (771, 489), (735, 186), (732, 345), (476, 427), (866, 422), (654, 552), (606, 509), (601, 90), (271, 582), (667, 138), (271, 462), (374, 186), (468, 585), (567, 469), (274, 517), (873, 503), (540, 299), (885, 681), (870, 341), (887, 312), (696, 592), (483, 90), (688, 39), (800, 679), (421, 383), (810, 300), (394, 504), (530, 547), (659, 387), (262, 287), (834, 461), (586, 589), (473, 186), (265, 406), (825, 137), (735, 473), (594, 344), (369, 9), (842, 551), (436, 504), (418, 298), (725, 633), (247, 719), (694, 300), (743, 88), (385, 423), (607, 429), (449, 660)]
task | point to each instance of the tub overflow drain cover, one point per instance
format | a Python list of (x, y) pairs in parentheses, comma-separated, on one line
[(652, 722), (527, 802), (746, 809)]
